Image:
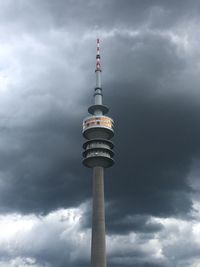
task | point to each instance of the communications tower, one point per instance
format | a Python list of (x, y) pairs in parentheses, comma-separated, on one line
[(98, 154)]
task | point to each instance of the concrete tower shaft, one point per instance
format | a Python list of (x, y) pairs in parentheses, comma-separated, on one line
[(98, 154), (98, 244)]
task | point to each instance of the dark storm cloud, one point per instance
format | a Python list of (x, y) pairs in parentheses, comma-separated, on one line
[(153, 93), (38, 176), (86, 15), (158, 131), (136, 223), (124, 224), (138, 265)]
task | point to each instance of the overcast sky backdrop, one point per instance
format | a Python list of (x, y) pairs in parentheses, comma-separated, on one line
[(151, 76)]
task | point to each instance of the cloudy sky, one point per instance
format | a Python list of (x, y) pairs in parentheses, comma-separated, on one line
[(151, 76)]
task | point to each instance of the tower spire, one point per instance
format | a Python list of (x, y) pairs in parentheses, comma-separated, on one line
[(98, 108), (98, 96)]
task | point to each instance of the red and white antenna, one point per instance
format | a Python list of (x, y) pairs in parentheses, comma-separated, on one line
[(98, 57)]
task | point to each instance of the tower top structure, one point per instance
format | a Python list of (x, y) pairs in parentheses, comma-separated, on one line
[(98, 128)]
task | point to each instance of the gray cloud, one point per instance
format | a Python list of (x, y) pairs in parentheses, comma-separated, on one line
[(156, 134), (151, 82)]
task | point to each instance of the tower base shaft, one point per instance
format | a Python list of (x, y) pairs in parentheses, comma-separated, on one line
[(98, 246)]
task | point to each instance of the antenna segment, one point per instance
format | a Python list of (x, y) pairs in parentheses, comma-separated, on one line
[(98, 57)]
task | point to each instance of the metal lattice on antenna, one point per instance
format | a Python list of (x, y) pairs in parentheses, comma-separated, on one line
[(98, 57)]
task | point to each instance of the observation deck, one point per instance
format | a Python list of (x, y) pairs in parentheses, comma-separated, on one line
[(98, 126)]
